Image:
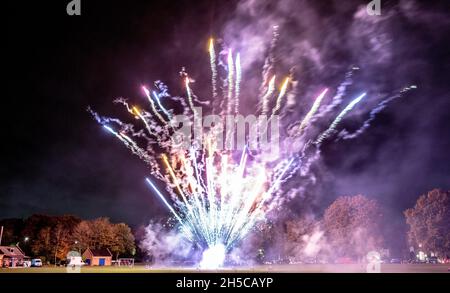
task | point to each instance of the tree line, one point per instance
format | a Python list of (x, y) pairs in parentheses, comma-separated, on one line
[(350, 227), (353, 226), (52, 237)]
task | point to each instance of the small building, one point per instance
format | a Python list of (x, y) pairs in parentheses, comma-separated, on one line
[(97, 257), (12, 256)]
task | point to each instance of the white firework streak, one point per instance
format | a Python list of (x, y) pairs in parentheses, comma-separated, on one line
[(338, 119), (230, 80), (312, 111), (280, 96), (344, 134), (212, 60), (265, 98), (238, 83)]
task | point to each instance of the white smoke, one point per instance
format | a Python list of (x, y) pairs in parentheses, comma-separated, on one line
[(164, 246)]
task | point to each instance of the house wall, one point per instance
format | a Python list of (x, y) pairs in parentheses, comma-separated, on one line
[(11, 261), (95, 261)]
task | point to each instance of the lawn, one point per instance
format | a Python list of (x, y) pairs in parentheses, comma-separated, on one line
[(296, 268)]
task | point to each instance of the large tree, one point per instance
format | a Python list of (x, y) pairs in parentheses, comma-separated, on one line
[(303, 237), (353, 226), (42, 243), (50, 236), (123, 240), (101, 233), (429, 222), (83, 236)]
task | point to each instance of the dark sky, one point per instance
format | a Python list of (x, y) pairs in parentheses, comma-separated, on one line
[(57, 160)]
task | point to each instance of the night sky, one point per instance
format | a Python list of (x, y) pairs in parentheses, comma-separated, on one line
[(57, 160)]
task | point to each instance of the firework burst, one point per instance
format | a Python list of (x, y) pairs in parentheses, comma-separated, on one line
[(218, 195)]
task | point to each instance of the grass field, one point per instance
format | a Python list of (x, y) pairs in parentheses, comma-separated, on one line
[(300, 268)]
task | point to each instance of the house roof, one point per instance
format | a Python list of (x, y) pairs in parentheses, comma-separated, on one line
[(100, 252), (11, 251)]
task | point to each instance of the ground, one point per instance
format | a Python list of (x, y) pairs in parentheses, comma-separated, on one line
[(300, 268)]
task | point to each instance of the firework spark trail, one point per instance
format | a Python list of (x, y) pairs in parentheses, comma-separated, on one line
[(280, 96), (338, 97), (189, 94), (338, 119), (238, 83), (131, 145), (215, 197), (253, 217), (152, 103), (139, 114), (117, 135), (212, 60), (269, 63), (312, 111), (166, 203), (153, 129), (230, 80), (234, 207), (344, 134), (104, 120), (194, 213), (265, 98), (158, 100), (175, 180)]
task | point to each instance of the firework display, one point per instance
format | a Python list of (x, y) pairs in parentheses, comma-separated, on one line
[(217, 194)]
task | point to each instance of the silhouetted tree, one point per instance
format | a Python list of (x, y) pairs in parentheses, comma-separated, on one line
[(301, 233), (429, 222), (123, 240), (82, 236), (50, 236), (42, 243), (101, 233), (353, 226)]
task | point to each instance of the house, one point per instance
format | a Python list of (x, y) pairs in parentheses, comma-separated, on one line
[(12, 256), (97, 257)]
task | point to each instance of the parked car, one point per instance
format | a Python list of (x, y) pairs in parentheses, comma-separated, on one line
[(433, 259), (396, 260), (36, 262), (417, 261)]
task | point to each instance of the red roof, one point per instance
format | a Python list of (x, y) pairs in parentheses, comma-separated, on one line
[(11, 251), (100, 252)]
